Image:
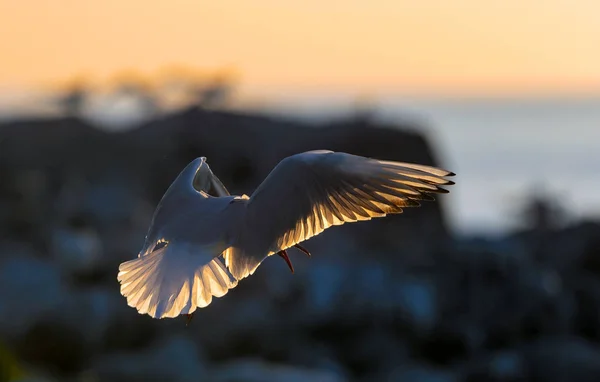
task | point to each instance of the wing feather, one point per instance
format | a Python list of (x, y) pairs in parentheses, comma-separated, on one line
[(310, 192), (175, 279)]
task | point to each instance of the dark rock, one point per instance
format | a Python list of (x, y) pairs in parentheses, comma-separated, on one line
[(562, 359), (146, 159), (175, 359), (251, 370), (31, 288), (410, 373), (54, 346)]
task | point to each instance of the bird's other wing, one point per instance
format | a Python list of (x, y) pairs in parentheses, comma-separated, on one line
[(310, 192), (175, 279)]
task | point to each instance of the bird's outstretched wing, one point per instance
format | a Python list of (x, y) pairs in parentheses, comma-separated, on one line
[(175, 279), (310, 192)]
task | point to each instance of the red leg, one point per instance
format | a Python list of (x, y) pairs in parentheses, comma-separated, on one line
[(285, 256), (301, 248), (189, 318)]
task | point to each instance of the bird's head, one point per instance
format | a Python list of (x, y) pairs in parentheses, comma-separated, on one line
[(201, 174), (204, 179), (196, 177)]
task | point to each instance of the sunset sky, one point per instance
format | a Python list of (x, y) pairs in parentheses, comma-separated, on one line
[(350, 46)]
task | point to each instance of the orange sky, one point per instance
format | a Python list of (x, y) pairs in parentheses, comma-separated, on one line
[(356, 46)]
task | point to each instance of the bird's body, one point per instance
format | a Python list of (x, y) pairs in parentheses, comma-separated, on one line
[(199, 245)]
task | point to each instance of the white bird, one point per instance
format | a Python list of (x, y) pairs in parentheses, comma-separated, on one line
[(202, 241)]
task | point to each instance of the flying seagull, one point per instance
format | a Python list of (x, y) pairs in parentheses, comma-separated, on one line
[(202, 240)]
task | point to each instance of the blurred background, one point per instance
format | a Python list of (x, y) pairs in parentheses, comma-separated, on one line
[(102, 103)]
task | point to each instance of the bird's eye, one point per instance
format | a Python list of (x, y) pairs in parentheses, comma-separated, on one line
[(160, 244)]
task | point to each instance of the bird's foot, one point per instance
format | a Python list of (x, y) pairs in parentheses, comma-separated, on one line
[(284, 255), (301, 248), (189, 318)]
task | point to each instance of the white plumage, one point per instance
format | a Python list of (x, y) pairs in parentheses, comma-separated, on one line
[(197, 223)]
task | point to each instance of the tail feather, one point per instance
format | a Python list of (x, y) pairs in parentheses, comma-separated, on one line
[(174, 280)]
